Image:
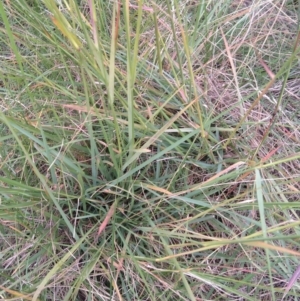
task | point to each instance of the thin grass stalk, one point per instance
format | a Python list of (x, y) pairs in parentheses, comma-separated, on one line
[(191, 73), (130, 80), (279, 101), (112, 75), (172, 19), (10, 36), (260, 200), (157, 38)]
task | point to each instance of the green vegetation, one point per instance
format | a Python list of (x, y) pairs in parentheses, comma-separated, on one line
[(149, 150)]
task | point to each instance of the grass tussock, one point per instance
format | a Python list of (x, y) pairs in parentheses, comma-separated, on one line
[(149, 150)]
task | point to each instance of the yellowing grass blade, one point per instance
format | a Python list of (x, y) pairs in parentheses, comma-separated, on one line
[(66, 32)]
